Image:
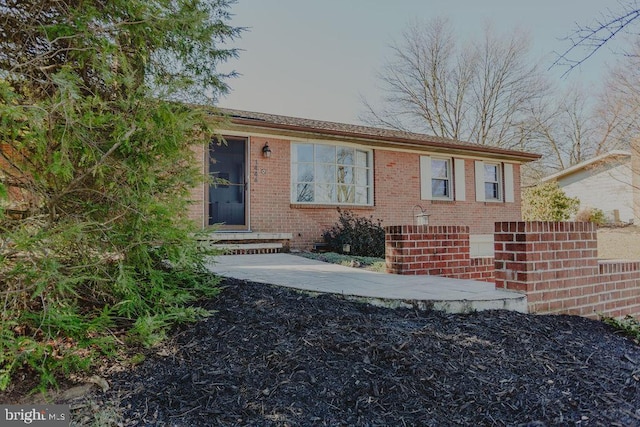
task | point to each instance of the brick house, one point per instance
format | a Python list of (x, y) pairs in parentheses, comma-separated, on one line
[(285, 177)]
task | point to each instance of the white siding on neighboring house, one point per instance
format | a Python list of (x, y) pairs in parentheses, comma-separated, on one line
[(605, 186)]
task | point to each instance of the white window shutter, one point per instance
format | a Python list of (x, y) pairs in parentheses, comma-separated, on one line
[(425, 178), (479, 181), (459, 174), (509, 195)]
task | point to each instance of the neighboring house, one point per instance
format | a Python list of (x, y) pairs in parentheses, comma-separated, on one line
[(603, 182), (285, 177)]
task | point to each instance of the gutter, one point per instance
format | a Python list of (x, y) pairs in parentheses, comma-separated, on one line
[(482, 150)]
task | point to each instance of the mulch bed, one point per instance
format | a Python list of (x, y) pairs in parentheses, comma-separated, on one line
[(275, 357)]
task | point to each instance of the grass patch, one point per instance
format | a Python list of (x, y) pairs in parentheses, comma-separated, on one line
[(366, 262)]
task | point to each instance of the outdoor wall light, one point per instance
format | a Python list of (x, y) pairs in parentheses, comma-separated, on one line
[(422, 218), (266, 151)]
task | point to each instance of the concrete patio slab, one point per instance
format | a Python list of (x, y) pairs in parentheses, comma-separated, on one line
[(390, 290)]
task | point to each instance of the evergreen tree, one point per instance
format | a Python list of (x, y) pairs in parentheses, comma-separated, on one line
[(98, 153)]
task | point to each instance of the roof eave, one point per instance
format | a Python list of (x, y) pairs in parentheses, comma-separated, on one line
[(575, 168), (480, 150)]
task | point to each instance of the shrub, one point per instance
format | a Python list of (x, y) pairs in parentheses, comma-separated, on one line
[(593, 215), (547, 202), (364, 236)]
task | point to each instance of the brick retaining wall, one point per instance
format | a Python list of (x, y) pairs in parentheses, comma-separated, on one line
[(556, 265), (434, 250)]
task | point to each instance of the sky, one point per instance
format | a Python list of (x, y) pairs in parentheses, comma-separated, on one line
[(318, 59)]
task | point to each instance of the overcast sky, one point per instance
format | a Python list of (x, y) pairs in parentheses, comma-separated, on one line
[(316, 58)]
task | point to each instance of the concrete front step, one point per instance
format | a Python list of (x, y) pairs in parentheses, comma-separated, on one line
[(248, 248), (228, 236), (242, 243)]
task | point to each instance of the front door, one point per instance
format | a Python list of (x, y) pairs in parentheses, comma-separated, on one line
[(228, 192)]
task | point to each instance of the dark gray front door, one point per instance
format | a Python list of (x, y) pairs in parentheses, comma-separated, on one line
[(228, 195)]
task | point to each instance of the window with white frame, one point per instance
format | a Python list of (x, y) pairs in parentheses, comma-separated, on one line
[(441, 178), (495, 182), (492, 182), (330, 174)]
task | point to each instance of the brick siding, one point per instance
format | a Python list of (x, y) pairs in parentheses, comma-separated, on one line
[(197, 196), (396, 192)]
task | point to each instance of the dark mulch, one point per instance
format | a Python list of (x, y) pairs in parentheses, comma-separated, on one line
[(275, 357)]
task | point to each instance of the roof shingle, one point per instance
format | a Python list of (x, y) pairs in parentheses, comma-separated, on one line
[(357, 131)]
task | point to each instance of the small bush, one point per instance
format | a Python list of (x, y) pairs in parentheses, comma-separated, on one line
[(628, 326), (547, 202), (364, 236), (593, 215)]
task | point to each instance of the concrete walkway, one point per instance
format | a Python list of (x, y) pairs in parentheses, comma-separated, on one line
[(391, 290)]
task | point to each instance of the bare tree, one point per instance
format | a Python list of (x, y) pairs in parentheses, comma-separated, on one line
[(563, 129), (622, 97), (621, 103), (618, 113), (478, 92), (577, 125)]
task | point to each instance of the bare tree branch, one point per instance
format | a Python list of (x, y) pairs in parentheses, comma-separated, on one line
[(595, 36)]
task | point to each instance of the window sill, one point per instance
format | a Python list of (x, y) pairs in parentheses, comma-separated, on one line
[(329, 206), (443, 202)]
